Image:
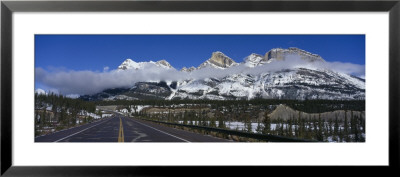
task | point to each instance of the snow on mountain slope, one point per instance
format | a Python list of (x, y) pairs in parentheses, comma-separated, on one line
[(254, 60), (130, 64), (164, 64), (298, 83), (184, 69), (279, 74)]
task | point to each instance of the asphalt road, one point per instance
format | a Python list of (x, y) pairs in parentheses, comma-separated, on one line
[(124, 129)]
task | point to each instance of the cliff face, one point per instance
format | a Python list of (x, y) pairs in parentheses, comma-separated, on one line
[(282, 54), (218, 60), (221, 60)]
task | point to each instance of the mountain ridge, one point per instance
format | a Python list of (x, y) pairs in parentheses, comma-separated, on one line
[(219, 60), (282, 83)]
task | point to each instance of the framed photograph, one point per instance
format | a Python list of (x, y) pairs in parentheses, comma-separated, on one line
[(117, 88)]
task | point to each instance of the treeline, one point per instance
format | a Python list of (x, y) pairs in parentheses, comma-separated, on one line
[(349, 129), (63, 113), (308, 106), (200, 118), (319, 106)]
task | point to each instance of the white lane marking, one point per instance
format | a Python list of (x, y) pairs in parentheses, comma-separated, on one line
[(162, 131), (79, 131), (141, 135)]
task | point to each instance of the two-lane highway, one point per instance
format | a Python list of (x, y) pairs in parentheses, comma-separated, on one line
[(124, 129)]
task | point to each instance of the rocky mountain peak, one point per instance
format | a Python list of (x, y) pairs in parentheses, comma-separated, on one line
[(282, 54), (128, 64), (164, 64), (219, 60)]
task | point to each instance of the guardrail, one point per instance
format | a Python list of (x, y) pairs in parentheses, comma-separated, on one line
[(270, 138)]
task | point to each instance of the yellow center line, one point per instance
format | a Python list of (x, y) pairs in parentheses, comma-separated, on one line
[(121, 132)]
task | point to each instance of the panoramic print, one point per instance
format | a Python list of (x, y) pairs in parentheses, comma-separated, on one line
[(199, 88)]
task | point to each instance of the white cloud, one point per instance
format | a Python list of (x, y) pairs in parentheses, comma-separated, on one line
[(105, 69)]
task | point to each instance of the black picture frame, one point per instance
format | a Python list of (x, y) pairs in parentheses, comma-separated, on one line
[(8, 7)]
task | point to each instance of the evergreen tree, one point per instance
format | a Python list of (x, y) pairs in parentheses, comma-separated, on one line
[(44, 117), (336, 129), (281, 131), (199, 122), (315, 128), (340, 134), (259, 128), (205, 121), (326, 131), (289, 128), (63, 115), (277, 128), (267, 124), (320, 128), (302, 128), (296, 131), (191, 120), (362, 123), (248, 126), (221, 123), (213, 123), (354, 127), (330, 128), (185, 120), (346, 128)]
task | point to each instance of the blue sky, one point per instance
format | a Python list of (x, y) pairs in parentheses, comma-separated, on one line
[(94, 52)]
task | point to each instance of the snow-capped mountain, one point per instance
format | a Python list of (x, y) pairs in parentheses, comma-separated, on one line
[(218, 60), (164, 64), (297, 83), (281, 54), (256, 77), (130, 64), (255, 60)]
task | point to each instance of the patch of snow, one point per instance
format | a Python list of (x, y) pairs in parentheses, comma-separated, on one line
[(40, 91), (106, 115), (73, 96)]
